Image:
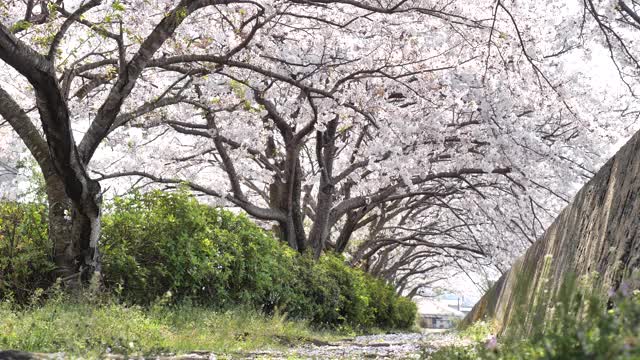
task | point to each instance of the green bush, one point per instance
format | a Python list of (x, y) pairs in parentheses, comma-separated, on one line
[(157, 242), (330, 293), (168, 247), (26, 261)]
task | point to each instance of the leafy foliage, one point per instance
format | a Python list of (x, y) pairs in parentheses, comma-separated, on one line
[(25, 249), (168, 246), (158, 243)]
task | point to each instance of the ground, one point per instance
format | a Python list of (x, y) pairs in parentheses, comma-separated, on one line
[(386, 346)]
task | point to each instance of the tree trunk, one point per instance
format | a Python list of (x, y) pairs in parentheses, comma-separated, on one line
[(60, 227), (69, 220), (85, 233), (296, 212), (290, 231), (285, 196), (73, 230), (325, 154), (345, 234), (320, 229)]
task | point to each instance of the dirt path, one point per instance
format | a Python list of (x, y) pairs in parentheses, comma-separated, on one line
[(387, 346)]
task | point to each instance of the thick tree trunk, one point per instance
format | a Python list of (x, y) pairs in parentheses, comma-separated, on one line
[(59, 156), (74, 232), (72, 225), (320, 229), (290, 231), (325, 154), (278, 200), (285, 196), (60, 227), (85, 233)]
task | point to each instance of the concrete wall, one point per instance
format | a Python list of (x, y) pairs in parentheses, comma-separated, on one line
[(598, 232)]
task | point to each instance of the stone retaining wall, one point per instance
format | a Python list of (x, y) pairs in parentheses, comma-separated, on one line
[(598, 232)]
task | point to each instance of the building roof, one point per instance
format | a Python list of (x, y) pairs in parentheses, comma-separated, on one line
[(428, 306)]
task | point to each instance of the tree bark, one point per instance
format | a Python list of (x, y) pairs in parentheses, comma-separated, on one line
[(74, 233), (325, 154), (296, 212), (74, 229), (60, 227), (290, 231), (345, 233)]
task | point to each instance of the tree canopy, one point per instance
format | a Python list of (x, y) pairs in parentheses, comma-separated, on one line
[(421, 137)]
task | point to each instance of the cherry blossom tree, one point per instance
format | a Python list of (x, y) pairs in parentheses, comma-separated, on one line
[(325, 125), (330, 109), (331, 137), (62, 68), (616, 25), (414, 135)]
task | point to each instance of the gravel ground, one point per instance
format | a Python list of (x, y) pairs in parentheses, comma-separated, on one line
[(386, 346)]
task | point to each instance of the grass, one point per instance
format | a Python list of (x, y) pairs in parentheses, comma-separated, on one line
[(478, 331), (90, 329)]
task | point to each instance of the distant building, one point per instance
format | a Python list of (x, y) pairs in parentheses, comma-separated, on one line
[(459, 303), (442, 312), (436, 314)]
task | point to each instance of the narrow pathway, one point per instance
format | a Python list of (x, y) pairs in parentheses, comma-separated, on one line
[(386, 346)]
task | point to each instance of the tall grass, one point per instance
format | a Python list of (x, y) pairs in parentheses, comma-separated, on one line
[(97, 327)]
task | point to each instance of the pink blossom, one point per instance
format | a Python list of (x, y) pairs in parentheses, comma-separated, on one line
[(491, 343)]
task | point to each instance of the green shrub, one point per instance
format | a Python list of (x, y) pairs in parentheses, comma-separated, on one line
[(405, 313), (157, 242), (168, 247), (331, 293), (26, 261)]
